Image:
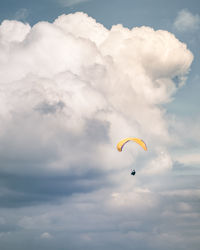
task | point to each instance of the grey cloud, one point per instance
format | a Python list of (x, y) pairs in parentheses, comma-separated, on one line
[(47, 108), (27, 177), (83, 221), (97, 131), (23, 190)]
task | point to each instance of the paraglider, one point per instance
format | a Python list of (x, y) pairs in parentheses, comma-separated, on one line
[(121, 144), (133, 172)]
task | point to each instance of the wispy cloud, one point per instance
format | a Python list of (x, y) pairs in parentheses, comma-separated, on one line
[(71, 3), (191, 159), (45, 235), (187, 21), (21, 14)]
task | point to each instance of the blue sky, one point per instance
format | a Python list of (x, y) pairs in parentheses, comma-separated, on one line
[(76, 77)]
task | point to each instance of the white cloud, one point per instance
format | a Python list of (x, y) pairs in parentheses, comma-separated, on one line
[(186, 21), (159, 165), (12, 31), (82, 26), (45, 235), (116, 77)]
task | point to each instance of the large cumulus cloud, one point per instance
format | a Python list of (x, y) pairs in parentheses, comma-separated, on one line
[(58, 78), (69, 90)]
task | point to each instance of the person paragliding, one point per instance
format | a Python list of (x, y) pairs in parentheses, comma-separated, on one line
[(133, 172), (121, 144)]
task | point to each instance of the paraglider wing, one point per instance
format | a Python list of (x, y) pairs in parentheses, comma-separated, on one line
[(121, 144)]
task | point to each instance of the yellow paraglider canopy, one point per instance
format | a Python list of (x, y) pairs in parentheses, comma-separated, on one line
[(121, 144)]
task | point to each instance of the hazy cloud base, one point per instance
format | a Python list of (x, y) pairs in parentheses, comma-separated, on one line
[(69, 90)]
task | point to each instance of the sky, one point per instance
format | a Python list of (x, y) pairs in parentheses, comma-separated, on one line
[(76, 77)]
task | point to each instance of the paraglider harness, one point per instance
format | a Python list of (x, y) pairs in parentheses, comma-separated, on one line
[(133, 172)]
